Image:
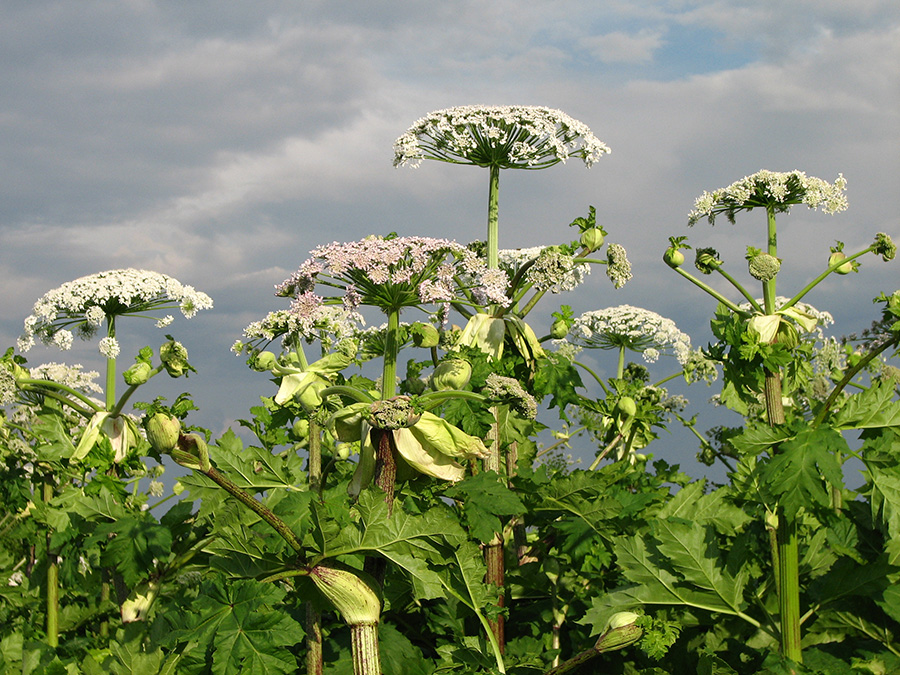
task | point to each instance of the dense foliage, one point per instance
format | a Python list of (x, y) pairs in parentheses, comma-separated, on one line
[(370, 519)]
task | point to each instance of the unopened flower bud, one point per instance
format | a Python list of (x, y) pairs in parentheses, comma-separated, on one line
[(707, 260), (162, 432), (626, 407), (175, 358), (621, 632), (845, 268), (452, 374), (559, 329), (139, 373), (264, 361), (424, 335), (592, 239), (300, 429), (673, 257)]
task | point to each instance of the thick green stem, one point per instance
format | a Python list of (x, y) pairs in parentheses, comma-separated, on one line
[(493, 233), (772, 242), (52, 576), (110, 369), (789, 576), (774, 403), (493, 551), (366, 659), (315, 659), (787, 567), (391, 347), (620, 367)]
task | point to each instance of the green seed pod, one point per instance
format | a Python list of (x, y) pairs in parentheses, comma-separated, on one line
[(352, 596), (764, 266), (592, 239), (452, 374), (139, 373), (559, 329), (175, 358), (673, 257), (343, 451), (163, 432), (424, 335)]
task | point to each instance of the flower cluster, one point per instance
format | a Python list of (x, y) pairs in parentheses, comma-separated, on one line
[(85, 303), (633, 328), (508, 137), (330, 325), (618, 269), (389, 273), (511, 392), (550, 268), (770, 189), (73, 376)]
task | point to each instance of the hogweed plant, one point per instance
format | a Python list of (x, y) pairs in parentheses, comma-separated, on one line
[(624, 420), (762, 342), (104, 439)]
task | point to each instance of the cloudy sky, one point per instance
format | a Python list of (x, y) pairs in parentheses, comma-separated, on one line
[(220, 142)]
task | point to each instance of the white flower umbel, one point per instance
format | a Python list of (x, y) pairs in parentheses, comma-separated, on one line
[(496, 138), (509, 137), (84, 303), (771, 190), (632, 328), (72, 376), (551, 269)]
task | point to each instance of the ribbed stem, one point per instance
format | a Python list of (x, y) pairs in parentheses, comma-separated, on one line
[(493, 551), (391, 347), (315, 659), (314, 652), (366, 659), (52, 577), (789, 601), (493, 233), (774, 404)]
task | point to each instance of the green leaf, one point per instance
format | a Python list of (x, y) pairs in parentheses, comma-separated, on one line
[(690, 503), (754, 440), (869, 409), (849, 578), (238, 622), (134, 545), (691, 551), (799, 474), (484, 499), (557, 377), (256, 469)]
